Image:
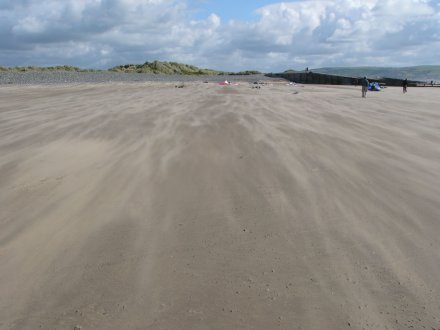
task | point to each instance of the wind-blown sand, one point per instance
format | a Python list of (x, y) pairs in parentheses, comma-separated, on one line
[(144, 206)]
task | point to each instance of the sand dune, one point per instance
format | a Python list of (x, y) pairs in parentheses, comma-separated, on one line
[(143, 206)]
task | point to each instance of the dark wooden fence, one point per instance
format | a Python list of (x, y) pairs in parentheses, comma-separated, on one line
[(310, 77)]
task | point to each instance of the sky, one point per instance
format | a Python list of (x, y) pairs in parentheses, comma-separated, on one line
[(269, 36)]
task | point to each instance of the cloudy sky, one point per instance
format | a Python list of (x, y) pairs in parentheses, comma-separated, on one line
[(235, 35)]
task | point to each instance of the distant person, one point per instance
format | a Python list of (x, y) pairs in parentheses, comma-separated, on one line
[(405, 85), (364, 84)]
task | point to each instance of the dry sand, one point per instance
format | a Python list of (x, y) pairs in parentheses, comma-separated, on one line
[(144, 206)]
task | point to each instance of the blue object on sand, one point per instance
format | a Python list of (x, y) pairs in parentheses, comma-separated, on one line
[(374, 87)]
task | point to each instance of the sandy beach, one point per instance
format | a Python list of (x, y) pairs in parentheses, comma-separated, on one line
[(145, 206)]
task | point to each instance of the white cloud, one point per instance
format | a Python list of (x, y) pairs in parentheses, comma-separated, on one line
[(311, 33)]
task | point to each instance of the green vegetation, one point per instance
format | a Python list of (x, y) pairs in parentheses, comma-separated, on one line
[(46, 68), (158, 67), (420, 73), (155, 67), (244, 73)]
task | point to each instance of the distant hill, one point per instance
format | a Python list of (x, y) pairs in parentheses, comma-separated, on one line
[(156, 67), (291, 71), (419, 73)]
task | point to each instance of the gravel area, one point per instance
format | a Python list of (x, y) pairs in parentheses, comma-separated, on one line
[(59, 77)]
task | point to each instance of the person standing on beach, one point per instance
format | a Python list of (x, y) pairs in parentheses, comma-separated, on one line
[(364, 84), (405, 85)]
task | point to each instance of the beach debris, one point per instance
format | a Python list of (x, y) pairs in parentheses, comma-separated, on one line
[(77, 327), (256, 84), (227, 83), (182, 85)]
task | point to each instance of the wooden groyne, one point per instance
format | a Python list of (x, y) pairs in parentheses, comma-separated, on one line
[(309, 77)]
